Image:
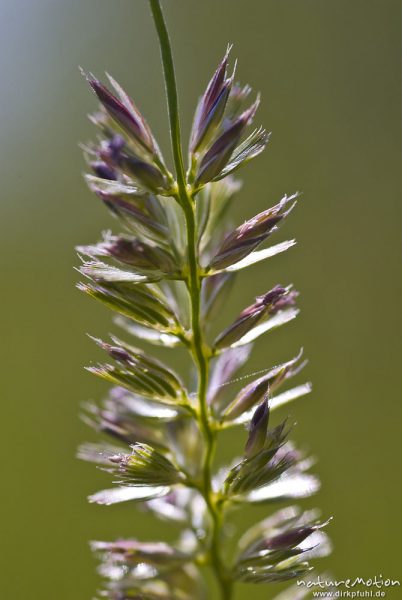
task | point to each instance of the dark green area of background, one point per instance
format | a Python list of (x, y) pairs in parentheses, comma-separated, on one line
[(329, 73)]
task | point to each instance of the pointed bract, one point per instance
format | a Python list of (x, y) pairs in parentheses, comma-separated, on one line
[(211, 106), (267, 305), (144, 466), (250, 235), (267, 383), (218, 155), (258, 430), (124, 113)]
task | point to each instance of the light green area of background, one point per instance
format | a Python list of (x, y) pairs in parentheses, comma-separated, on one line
[(329, 72)]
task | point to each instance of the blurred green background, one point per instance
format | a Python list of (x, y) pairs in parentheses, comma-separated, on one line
[(329, 73)]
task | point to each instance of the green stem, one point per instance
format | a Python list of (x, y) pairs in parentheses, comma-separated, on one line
[(200, 351), (171, 90), (201, 355)]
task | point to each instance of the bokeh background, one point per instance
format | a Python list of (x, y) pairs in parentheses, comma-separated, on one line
[(330, 78)]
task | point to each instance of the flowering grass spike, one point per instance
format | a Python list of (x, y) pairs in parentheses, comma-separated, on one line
[(166, 275)]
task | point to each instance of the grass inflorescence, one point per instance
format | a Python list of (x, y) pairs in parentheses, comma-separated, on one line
[(166, 275)]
